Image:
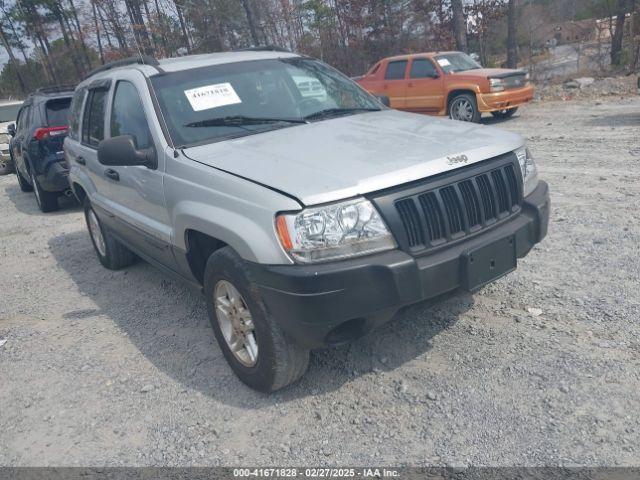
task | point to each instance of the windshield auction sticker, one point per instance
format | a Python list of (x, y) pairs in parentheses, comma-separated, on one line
[(443, 62), (212, 96)]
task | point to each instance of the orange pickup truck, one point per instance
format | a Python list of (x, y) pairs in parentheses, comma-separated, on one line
[(448, 83)]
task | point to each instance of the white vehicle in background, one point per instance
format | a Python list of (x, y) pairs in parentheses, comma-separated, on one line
[(8, 113)]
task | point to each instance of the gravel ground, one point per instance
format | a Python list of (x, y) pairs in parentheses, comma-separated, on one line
[(540, 368)]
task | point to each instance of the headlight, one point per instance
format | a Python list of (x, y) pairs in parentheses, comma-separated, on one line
[(342, 230), (529, 170), (496, 84)]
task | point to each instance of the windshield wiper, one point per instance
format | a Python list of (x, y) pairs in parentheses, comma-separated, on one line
[(337, 111), (240, 120)]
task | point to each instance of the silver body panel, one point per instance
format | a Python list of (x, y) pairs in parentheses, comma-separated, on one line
[(232, 190)]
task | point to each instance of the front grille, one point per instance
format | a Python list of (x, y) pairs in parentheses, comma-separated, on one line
[(444, 211), (514, 81)]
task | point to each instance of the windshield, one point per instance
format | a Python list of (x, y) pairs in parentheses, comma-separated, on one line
[(457, 62), (232, 100), (9, 113)]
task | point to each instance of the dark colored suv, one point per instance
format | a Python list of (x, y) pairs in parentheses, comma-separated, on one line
[(36, 146)]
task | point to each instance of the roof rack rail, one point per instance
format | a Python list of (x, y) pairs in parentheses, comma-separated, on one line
[(65, 87), (264, 48), (138, 60)]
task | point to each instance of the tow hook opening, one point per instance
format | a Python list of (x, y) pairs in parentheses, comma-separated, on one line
[(68, 193), (346, 332)]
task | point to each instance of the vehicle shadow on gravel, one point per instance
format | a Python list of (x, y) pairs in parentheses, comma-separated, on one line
[(25, 202), (618, 120), (167, 322)]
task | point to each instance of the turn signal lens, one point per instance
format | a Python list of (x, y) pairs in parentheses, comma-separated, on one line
[(283, 233)]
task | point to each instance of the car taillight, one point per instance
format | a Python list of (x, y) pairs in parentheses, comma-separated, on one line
[(42, 133)]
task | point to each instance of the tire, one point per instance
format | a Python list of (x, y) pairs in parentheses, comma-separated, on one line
[(505, 113), (111, 253), (47, 201), (278, 362), (24, 185), (6, 166), (464, 108)]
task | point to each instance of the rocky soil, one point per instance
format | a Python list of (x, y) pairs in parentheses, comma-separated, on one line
[(541, 368)]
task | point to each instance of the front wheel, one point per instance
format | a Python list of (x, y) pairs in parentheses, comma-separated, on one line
[(505, 113), (464, 108), (251, 340)]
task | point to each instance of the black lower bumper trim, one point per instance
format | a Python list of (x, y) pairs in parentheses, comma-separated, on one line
[(310, 302)]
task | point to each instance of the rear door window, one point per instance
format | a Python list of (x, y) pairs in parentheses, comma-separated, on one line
[(93, 121), (58, 112), (395, 70)]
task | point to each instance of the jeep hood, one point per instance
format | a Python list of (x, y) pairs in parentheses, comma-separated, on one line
[(349, 156)]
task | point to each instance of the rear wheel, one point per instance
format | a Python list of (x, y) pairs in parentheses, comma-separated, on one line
[(47, 201), (251, 340), (111, 253), (505, 113), (24, 185), (464, 108)]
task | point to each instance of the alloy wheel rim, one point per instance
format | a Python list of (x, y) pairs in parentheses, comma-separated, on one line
[(236, 323), (462, 110), (96, 233)]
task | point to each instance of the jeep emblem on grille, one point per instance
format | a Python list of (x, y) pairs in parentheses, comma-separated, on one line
[(458, 159)]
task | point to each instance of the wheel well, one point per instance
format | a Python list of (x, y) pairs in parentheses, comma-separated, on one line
[(79, 192), (454, 93), (200, 246)]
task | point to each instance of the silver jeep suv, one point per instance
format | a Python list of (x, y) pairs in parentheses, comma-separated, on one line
[(306, 220)]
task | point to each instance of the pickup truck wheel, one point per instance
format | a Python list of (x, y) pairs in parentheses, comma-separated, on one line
[(24, 185), (464, 108), (251, 340), (505, 113), (47, 201), (111, 253)]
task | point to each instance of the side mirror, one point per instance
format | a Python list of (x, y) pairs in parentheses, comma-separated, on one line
[(435, 75), (122, 151), (383, 99), (11, 129)]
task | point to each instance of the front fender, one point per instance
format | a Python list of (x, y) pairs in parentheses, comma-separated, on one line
[(254, 241)]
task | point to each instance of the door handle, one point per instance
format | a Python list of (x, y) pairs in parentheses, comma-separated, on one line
[(112, 174), (410, 84), (81, 161)]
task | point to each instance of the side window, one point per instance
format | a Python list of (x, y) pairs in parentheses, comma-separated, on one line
[(23, 121), (423, 68), (395, 70), (75, 113), (93, 121), (127, 115)]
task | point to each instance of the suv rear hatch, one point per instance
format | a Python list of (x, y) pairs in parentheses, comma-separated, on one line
[(51, 137)]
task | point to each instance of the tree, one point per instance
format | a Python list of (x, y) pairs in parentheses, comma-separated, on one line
[(459, 25), (512, 35), (618, 33)]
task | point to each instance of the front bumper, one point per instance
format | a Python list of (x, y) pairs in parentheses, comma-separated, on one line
[(329, 304), (491, 102)]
